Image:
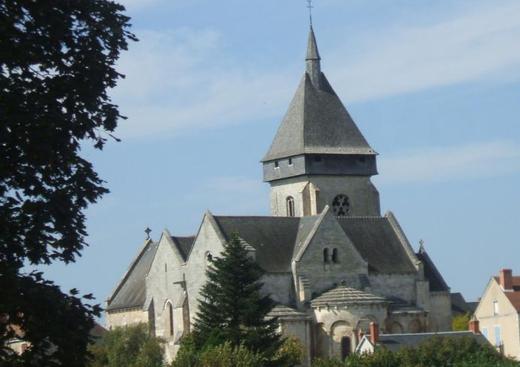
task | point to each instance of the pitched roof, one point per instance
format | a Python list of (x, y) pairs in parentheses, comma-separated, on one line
[(437, 283), (378, 243), (184, 245), (131, 290), (343, 295), (394, 342), (273, 238), (316, 121), (278, 239), (286, 312), (514, 298), (459, 304)]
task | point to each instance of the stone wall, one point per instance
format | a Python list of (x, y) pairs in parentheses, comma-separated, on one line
[(126, 317), (363, 196)]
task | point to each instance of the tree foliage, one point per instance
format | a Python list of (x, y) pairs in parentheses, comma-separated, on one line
[(131, 346), (56, 66), (460, 322), (434, 352), (225, 355), (231, 308)]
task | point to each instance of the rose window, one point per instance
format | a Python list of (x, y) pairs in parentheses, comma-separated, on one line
[(341, 205)]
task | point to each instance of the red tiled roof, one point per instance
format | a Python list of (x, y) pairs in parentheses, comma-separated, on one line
[(514, 297)]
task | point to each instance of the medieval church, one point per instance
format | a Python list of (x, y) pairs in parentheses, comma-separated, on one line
[(333, 263)]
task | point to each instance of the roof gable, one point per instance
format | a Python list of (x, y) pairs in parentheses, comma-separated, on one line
[(131, 290), (273, 238), (437, 282), (377, 242)]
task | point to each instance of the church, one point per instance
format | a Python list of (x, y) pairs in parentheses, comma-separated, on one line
[(333, 262)]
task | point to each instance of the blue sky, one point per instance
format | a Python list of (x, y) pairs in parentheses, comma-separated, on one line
[(433, 85)]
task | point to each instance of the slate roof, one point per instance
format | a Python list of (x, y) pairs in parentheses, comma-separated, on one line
[(282, 311), (131, 292), (394, 342), (316, 121), (437, 283), (278, 239), (184, 245), (378, 243), (459, 304), (343, 295), (273, 238)]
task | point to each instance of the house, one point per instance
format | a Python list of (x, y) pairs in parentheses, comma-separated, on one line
[(333, 262), (395, 342), (499, 313)]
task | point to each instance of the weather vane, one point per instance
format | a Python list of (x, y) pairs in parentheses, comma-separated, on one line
[(309, 6), (147, 231)]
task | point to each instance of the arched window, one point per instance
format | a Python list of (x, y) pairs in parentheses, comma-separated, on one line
[(290, 206), (341, 205), (170, 318), (335, 255), (326, 258)]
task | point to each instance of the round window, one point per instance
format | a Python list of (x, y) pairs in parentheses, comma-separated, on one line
[(341, 205)]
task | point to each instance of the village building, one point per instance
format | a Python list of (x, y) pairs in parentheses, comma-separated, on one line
[(498, 313), (333, 262), (370, 342)]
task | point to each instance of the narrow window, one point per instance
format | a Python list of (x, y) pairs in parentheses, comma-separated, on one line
[(165, 268), (335, 255), (170, 318), (485, 332), (498, 336), (276, 165), (290, 206), (290, 161), (495, 308), (326, 255)]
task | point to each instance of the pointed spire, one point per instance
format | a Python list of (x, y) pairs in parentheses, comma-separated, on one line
[(312, 59)]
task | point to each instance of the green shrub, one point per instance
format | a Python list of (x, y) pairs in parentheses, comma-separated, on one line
[(434, 352), (131, 346)]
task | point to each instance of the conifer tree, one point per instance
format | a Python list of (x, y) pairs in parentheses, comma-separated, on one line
[(231, 307)]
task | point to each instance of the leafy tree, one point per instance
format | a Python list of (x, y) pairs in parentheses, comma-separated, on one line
[(434, 352), (131, 346), (231, 308), (56, 65), (460, 322)]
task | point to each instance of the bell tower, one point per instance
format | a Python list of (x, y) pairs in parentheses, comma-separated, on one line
[(318, 156)]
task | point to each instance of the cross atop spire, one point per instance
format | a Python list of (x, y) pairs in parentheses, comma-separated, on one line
[(309, 6)]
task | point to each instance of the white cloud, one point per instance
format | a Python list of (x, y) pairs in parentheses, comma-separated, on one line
[(442, 164), (234, 194), (467, 47), (182, 80), (188, 80)]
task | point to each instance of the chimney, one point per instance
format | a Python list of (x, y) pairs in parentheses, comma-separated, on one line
[(374, 333), (506, 279), (474, 326)]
